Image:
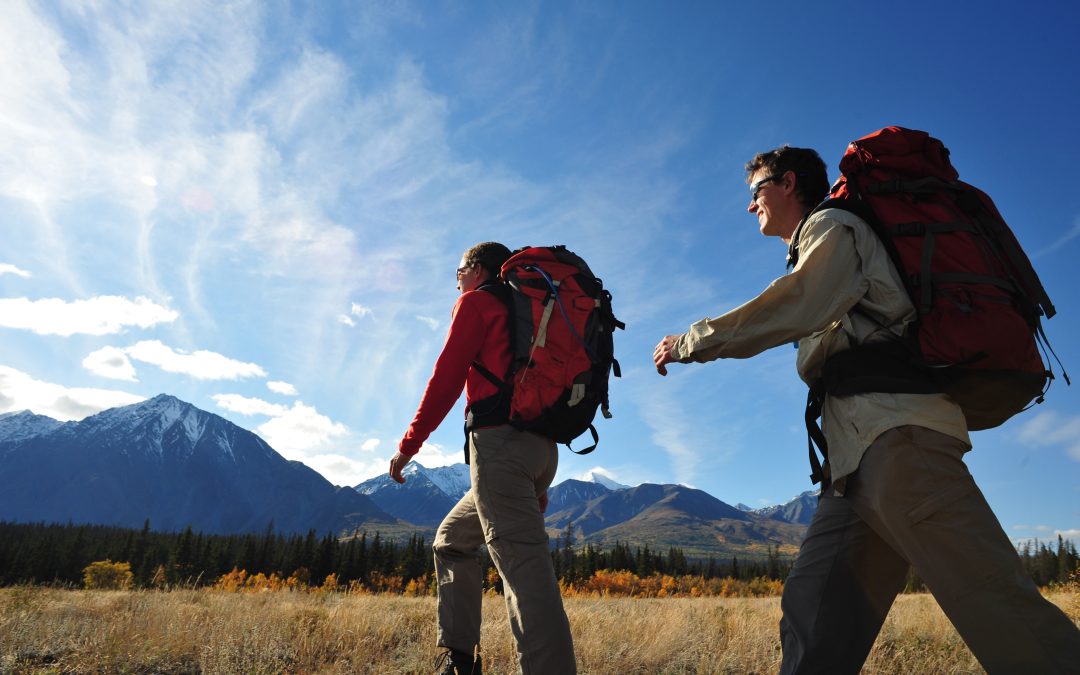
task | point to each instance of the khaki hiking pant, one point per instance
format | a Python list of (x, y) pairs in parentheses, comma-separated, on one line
[(509, 469), (913, 501)]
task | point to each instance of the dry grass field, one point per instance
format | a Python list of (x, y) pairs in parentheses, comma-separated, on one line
[(197, 631)]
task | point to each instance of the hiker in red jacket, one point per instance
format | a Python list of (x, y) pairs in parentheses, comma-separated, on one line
[(510, 471), (897, 490)]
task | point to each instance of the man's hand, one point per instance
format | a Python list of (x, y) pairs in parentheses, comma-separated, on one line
[(396, 465), (662, 354), (542, 498)]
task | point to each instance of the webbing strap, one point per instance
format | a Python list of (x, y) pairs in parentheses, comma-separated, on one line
[(815, 398), (917, 229), (967, 278), (928, 184), (541, 332), (596, 441)]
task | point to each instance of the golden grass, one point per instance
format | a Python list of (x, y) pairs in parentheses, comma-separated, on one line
[(188, 631)]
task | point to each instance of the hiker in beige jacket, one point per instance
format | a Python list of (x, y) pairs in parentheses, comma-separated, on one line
[(898, 490)]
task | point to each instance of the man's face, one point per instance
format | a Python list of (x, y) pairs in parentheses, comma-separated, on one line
[(469, 276), (774, 201)]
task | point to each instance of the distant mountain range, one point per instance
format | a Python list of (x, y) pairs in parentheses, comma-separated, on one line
[(167, 461), (660, 516)]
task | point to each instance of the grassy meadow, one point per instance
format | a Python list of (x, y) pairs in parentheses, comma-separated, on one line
[(46, 630)]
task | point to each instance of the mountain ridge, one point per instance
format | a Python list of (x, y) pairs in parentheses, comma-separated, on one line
[(167, 460)]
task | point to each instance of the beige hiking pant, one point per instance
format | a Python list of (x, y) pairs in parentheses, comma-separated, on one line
[(509, 469), (913, 501)]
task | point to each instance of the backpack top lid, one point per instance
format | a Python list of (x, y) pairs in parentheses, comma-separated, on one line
[(898, 150)]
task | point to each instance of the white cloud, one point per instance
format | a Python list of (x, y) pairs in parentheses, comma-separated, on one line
[(101, 315), (1052, 429), (370, 444), (299, 430), (432, 455), (248, 406), (1073, 534), (359, 310), (7, 268), (345, 319), (201, 364), (19, 391), (431, 323), (283, 388), (110, 362), (342, 470)]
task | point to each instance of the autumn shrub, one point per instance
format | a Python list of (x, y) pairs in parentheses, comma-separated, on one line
[(107, 575)]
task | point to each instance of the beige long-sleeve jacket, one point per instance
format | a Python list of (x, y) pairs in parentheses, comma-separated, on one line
[(842, 265)]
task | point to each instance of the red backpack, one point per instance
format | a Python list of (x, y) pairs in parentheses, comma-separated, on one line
[(561, 336), (978, 298)]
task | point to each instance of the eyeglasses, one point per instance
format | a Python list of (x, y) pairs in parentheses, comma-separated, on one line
[(462, 270), (756, 187)]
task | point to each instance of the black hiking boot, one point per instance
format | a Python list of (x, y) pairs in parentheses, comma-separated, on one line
[(453, 662)]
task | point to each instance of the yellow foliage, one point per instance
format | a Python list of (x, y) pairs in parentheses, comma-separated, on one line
[(105, 574)]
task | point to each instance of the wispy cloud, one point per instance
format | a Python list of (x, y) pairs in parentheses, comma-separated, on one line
[(20, 391), (1050, 429), (1069, 235), (431, 323), (101, 315), (110, 362), (200, 364), (346, 320), (283, 388), (7, 268), (359, 310)]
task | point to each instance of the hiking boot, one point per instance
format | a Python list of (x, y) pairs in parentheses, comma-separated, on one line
[(453, 662)]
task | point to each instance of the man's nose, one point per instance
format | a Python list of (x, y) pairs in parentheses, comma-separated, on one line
[(753, 206)]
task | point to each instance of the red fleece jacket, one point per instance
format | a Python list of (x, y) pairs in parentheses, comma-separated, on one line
[(477, 332)]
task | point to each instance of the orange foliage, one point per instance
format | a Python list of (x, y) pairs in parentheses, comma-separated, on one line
[(627, 584)]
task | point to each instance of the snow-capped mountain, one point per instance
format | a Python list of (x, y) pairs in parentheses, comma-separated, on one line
[(18, 426), (426, 496), (595, 476), (168, 461), (453, 480), (798, 510)]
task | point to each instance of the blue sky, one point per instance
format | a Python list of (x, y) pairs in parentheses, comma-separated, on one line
[(258, 207)]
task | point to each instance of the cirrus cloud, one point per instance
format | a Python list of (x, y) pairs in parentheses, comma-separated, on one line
[(1052, 429), (100, 315)]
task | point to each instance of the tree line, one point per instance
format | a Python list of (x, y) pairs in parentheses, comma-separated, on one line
[(38, 553)]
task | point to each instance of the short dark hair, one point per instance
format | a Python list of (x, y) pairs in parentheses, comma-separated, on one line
[(490, 255), (811, 180)]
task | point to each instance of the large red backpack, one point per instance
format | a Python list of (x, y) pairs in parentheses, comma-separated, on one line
[(978, 298), (561, 336)]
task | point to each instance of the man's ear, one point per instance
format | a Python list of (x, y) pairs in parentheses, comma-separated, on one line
[(788, 183)]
